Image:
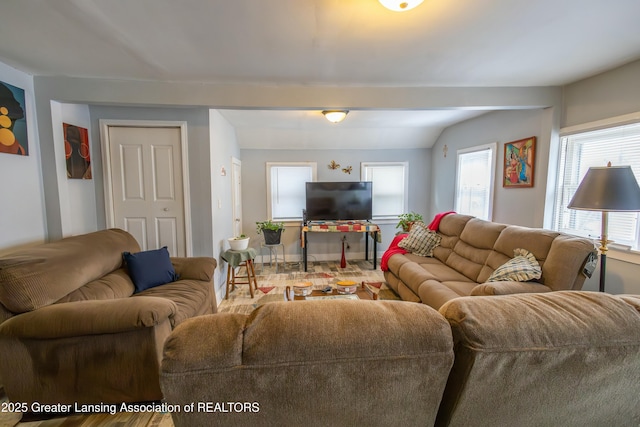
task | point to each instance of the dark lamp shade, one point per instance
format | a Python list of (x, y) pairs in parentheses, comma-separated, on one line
[(612, 188)]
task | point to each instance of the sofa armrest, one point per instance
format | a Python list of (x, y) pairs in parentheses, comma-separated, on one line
[(509, 287), (194, 268), (89, 318)]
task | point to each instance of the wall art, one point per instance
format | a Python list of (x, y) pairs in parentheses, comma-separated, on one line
[(519, 163), (76, 151), (13, 121)]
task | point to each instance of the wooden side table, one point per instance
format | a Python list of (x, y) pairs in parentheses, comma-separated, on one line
[(239, 259)]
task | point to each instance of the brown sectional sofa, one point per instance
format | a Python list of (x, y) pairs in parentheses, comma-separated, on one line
[(569, 358), (73, 331), (471, 249)]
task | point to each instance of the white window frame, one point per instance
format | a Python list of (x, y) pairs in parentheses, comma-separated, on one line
[(269, 166), (627, 251), (365, 167), (492, 147)]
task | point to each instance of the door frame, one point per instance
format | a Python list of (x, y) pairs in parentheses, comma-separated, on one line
[(235, 162), (107, 173)]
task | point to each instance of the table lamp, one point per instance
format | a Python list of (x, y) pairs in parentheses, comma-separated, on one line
[(607, 189)]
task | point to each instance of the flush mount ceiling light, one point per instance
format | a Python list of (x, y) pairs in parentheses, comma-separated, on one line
[(335, 116), (400, 5)]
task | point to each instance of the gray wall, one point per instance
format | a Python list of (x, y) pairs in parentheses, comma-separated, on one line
[(199, 164), (608, 95), (327, 246), (519, 206)]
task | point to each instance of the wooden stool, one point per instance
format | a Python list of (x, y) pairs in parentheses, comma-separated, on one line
[(239, 259)]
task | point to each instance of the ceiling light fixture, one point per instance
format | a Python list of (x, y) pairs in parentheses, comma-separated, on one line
[(335, 116), (400, 5)]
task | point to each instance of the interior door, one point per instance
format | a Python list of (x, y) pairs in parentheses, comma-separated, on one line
[(146, 185), (236, 195)]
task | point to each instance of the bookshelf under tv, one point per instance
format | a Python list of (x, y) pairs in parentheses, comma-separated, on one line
[(370, 228)]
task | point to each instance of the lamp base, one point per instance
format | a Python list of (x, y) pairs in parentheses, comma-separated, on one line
[(603, 268)]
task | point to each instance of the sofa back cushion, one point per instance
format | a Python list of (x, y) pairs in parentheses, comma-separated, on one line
[(558, 358), (323, 362), (39, 276), (114, 285), (534, 240), (474, 246), (450, 228)]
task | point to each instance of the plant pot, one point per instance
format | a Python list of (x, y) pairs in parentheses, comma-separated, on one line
[(238, 244), (271, 237)]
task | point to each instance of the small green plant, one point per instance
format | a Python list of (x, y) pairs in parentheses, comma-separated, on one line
[(240, 237), (269, 225), (406, 220)]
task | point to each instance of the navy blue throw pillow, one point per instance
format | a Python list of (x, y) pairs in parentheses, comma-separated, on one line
[(150, 268)]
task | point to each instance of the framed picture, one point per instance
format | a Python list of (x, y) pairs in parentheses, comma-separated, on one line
[(519, 163), (76, 150), (13, 121)]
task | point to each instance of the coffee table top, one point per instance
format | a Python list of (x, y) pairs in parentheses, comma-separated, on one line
[(362, 292)]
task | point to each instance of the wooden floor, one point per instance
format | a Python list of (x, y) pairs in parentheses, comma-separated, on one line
[(121, 419)]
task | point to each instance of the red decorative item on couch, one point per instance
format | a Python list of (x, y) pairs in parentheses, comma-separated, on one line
[(435, 224), (343, 260), (392, 250)]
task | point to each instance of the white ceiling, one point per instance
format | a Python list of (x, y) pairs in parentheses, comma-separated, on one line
[(453, 43)]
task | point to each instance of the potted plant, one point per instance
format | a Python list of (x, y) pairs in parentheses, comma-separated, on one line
[(239, 243), (406, 220), (271, 230)]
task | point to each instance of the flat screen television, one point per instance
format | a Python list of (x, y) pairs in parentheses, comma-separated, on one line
[(341, 201)]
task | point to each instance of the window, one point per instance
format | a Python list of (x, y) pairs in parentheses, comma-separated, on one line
[(390, 182), (619, 145), (474, 181), (286, 189)]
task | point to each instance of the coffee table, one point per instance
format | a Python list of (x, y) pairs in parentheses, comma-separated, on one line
[(363, 292)]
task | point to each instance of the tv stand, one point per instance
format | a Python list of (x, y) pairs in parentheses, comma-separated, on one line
[(342, 227)]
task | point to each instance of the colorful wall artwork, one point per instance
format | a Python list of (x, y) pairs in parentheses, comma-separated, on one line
[(13, 121), (76, 150), (519, 163)]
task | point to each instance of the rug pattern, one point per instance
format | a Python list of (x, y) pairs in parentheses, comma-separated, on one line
[(271, 286)]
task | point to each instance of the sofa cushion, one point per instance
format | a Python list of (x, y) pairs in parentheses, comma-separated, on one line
[(70, 263), (114, 285), (198, 300), (367, 375), (473, 248), (450, 228), (420, 241), (521, 268), (553, 359), (150, 268)]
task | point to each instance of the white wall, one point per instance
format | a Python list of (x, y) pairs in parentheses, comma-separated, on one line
[(77, 196), (22, 214), (224, 146)]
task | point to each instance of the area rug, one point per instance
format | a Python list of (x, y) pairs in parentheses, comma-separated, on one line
[(272, 286)]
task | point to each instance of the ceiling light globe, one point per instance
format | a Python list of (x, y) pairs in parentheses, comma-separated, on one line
[(400, 5), (335, 116)]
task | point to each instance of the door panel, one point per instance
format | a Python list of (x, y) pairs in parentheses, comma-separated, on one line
[(138, 229), (146, 173)]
